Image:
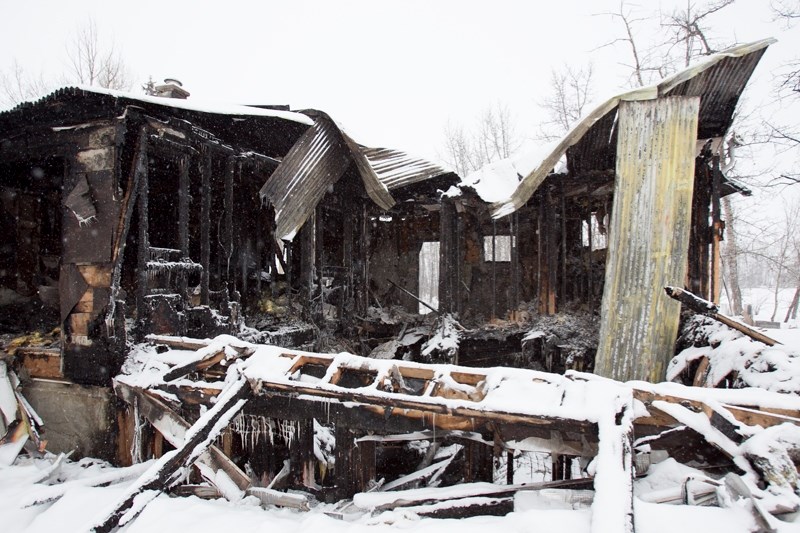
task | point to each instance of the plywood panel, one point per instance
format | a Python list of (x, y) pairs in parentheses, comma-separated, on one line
[(648, 237)]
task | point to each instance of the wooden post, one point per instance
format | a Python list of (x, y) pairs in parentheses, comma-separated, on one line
[(447, 270), (494, 268), (563, 211), (230, 168), (648, 237), (143, 250), (515, 266), (717, 227), (319, 263), (345, 480), (205, 225), (183, 222)]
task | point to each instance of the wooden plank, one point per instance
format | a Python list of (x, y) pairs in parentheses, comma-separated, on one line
[(86, 303), (96, 275), (205, 225), (42, 363), (182, 343), (158, 477), (79, 323), (704, 307), (173, 427), (761, 416), (701, 375), (648, 237)]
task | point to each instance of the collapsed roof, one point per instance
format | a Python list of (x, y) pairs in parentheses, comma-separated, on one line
[(719, 80)]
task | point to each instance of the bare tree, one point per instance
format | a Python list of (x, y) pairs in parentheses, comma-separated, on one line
[(18, 85), (688, 28), (786, 136), (648, 61), (677, 39), (89, 60), (493, 138), (570, 92), (92, 63), (786, 10)]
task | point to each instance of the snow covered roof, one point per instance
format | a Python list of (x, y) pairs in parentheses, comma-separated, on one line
[(320, 158), (191, 105), (719, 81)]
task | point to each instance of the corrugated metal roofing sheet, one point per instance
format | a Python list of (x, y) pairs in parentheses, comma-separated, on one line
[(316, 161), (397, 169), (320, 157), (591, 144)]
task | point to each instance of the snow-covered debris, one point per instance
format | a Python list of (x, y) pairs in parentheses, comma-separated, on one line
[(735, 357), (445, 339)]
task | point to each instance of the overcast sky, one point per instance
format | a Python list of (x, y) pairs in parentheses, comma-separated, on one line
[(392, 73)]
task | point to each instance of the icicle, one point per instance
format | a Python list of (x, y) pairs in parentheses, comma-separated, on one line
[(136, 442)]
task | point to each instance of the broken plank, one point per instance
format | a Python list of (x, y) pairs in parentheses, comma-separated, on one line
[(383, 501), (51, 493), (280, 499), (173, 427), (466, 508), (704, 307), (206, 358), (164, 471), (42, 363), (762, 416), (182, 343)]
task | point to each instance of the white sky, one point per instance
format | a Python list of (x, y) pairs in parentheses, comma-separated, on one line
[(392, 73)]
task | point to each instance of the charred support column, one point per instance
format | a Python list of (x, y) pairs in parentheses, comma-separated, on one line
[(548, 255), (648, 237), (347, 247), (515, 266), (205, 224), (448, 273), (143, 251), (319, 263), (494, 268), (478, 462), (230, 168), (183, 220), (302, 454), (697, 277), (717, 228)]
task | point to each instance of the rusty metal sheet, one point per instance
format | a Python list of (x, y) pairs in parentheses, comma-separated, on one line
[(316, 161), (397, 169), (648, 237), (719, 80)]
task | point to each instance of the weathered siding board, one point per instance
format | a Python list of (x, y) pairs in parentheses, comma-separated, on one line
[(649, 237)]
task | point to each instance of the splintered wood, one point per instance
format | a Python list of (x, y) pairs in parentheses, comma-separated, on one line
[(371, 403)]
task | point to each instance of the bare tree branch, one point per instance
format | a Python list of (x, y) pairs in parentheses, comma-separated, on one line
[(570, 91), (93, 64)]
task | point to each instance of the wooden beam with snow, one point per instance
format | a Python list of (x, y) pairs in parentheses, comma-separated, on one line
[(165, 471), (710, 309), (174, 428), (648, 237)]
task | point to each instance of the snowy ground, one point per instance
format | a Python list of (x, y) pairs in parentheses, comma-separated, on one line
[(73, 503), (81, 506)]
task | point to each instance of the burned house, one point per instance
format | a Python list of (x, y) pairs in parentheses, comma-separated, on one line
[(152, 219)]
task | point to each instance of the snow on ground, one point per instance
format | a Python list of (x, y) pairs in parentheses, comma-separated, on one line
[(81, 504), (754, 364)]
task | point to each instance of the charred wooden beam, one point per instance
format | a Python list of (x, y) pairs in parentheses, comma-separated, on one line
[(205, 224), (173, 427), (163, 472), (143, 243), (704, 307), (717, 226), (409, 293)]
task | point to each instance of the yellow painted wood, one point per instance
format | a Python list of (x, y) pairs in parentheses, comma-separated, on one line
[(648, 237)]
